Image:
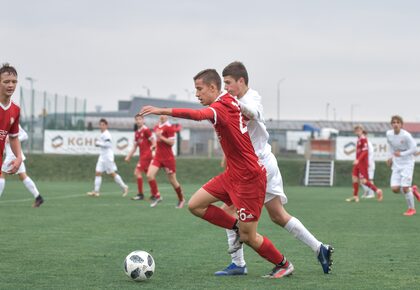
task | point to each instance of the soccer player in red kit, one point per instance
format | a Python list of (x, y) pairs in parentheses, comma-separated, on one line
[(9, 117), (164, 158), (361, 166), (144, 140), (243, 183)]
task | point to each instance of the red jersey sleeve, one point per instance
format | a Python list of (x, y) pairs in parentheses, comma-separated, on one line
[(198, 115), (14, 128)]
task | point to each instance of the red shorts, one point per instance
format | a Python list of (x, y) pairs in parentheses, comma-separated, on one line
[(360, 172), (168, 164), (247, 197), (143, 164)]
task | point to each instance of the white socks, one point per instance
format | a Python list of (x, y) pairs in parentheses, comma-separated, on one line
[(119, 181), (30, 185), (2, 183), (238, 256), (298, 230), (98, 181), (409, 197)]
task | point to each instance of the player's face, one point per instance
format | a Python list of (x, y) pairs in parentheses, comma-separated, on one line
[(139, 122), (358, 132), (163, 118), (103, 126), (205, 93), (396, 125), (232, 86), (8, 84)]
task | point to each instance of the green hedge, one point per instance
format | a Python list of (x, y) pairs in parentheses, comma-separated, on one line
[(189, 170)]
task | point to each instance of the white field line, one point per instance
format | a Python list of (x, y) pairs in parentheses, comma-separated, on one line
[(67, 196)]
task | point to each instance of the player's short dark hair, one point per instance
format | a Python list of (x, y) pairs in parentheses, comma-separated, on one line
[(103, 121), (236, 70), (210, 76), (7, 68), (138, 115), (398, 118)]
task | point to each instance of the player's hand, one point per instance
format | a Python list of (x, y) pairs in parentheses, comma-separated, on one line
[(14, 165), (397, 153), (389, 162), (355, 162), (127, 159), (147, 110)]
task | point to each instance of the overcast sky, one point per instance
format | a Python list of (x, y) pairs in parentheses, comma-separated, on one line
[(335, 55)]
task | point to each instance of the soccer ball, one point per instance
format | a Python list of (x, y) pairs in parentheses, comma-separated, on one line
[(139, 265)]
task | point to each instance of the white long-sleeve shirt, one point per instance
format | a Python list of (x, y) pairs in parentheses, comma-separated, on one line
[(22, 136), (252, 108), (403, 142), (105, 142)]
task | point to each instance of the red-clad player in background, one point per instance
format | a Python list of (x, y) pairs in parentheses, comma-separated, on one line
[(144, 140), (244, 181), (164, 158), (9, 117), (361, 166)]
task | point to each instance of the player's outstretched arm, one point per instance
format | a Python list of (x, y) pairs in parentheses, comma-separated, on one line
[(203, 114), (150, 110), (131, 153), (17, 151)]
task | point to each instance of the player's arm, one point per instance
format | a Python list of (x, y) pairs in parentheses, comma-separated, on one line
[(23, 136), (169, 141), (131, 153), (252, 110), (197, 115), (391, 151), (412, 149), (107, 143), (17, 151)]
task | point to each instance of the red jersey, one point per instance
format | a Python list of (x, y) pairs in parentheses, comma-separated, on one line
[(142, 139), (164, 150), (362, 150), (227, 119), (9, 124)]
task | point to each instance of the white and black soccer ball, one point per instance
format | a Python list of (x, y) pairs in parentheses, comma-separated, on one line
[(139, 265)]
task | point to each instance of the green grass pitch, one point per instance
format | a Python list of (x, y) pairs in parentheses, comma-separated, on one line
[(77, 242)]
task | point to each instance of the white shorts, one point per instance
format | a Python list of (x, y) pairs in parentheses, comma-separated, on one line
[(402, 176), (5, 167), (106, 166), (371, 173), (274, 180)]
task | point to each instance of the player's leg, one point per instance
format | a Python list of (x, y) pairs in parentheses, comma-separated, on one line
[(139, 180), (30, 185), (238, 264), (170, 169), (177, 187), (100, 167), (294, 226), (265, 248), (111, 169), (201, 205), (151, 178), (355, 181), (364, 174), (2, 182), (406, 180)]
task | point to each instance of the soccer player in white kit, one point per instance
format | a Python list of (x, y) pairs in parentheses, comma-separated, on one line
[(106, 161), (27, 181), (402, 148), (235, 77)]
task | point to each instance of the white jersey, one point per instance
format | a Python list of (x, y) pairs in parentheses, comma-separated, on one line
[(105, 142), (404, 143), (371, 160), (22, 136), (251, 105), (252, 108)]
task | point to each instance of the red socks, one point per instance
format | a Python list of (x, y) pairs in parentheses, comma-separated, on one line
[(371, 186), (179, 193), (140, 185), (219, 217), (355, 188), (154, 188), (269, 252)]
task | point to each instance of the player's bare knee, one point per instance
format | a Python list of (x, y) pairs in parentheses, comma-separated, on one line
[(395, 189)]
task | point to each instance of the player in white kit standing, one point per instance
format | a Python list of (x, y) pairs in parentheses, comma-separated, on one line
[(27, 181), (402, 149), (106, 161), (235, 77)]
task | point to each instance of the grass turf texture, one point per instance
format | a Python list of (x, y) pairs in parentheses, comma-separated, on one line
[(74, 241)]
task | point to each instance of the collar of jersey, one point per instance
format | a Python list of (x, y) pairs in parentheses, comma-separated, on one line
[(7, 106)]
